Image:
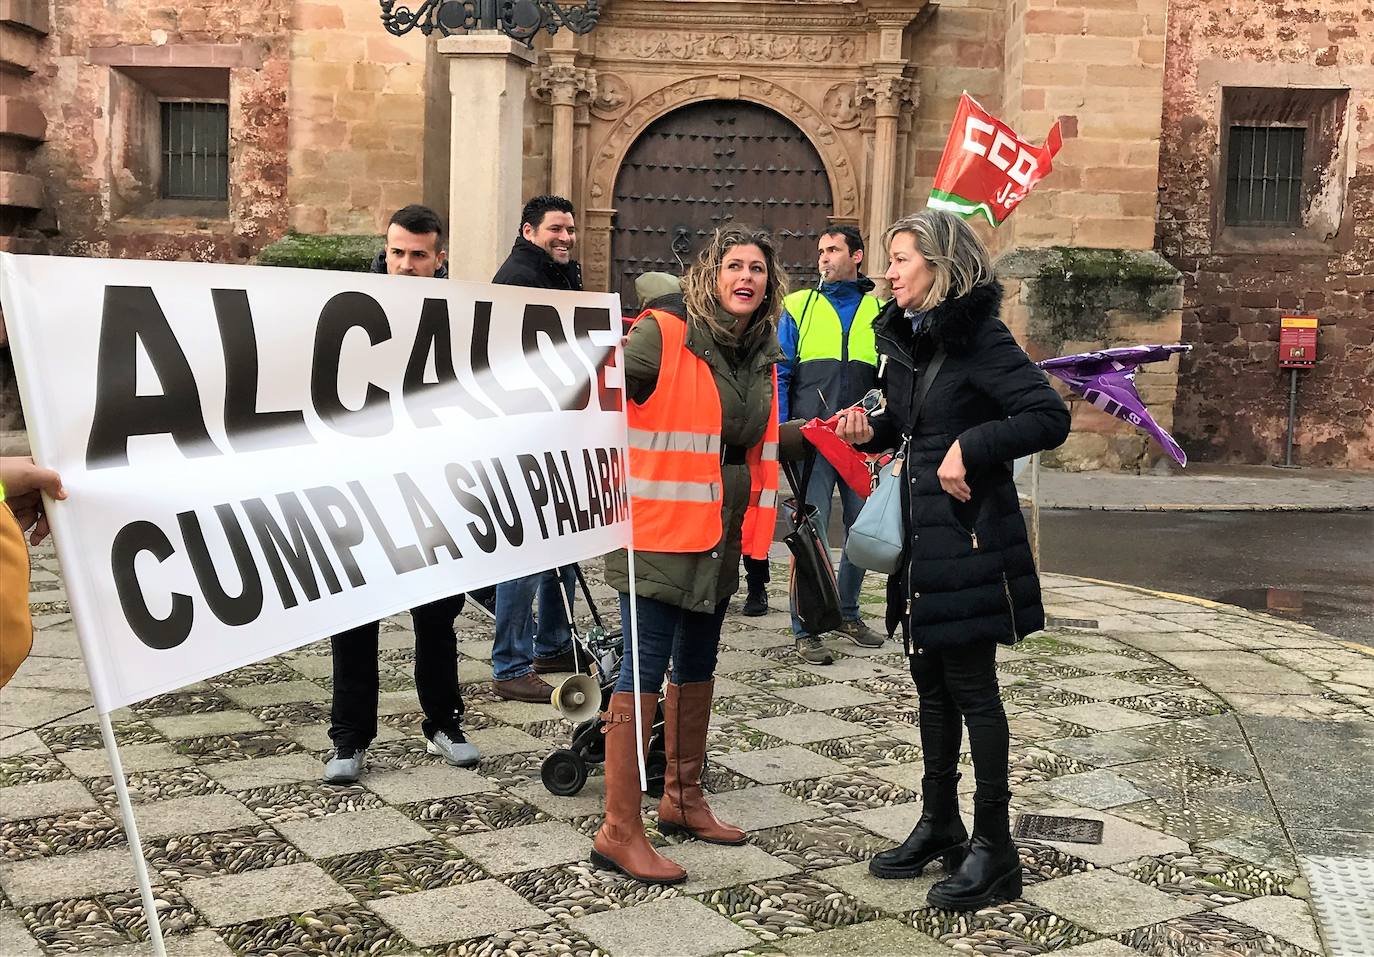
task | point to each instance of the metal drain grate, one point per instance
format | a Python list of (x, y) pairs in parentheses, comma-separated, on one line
[(1047, 827), (1085, 624)]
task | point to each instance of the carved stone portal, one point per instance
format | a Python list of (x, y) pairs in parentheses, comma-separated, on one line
[(817, 69)]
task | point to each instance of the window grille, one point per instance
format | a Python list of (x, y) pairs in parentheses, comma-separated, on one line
[(1264, 176), (195, 151)]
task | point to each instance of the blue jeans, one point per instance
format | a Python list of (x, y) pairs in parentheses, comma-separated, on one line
[(518, 641), (690, 638), (820, 493)]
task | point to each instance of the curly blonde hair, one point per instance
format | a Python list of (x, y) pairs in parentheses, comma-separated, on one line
[(699, 285)]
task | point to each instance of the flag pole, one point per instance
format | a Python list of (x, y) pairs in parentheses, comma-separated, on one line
[(126, 810), (1035, 509)]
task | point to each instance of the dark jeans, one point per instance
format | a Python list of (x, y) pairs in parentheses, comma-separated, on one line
[(690, 638), (756, 572), (955, 686), (353, 714)]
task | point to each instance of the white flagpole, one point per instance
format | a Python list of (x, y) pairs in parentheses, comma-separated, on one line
[(633, 623), (126, 810)]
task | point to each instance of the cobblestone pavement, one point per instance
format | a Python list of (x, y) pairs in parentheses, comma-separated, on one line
[(1227, 754), (1226, 488)]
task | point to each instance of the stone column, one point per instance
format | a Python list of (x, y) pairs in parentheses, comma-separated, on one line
[(487, 82), (560, 84), (888, 92)]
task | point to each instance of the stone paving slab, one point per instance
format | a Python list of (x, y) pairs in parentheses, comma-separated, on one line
[(513, 849), (26, 801), (1107, 903), (94, 763), (236, 898), (879, 938), (192, 815), (69, 875), (458, 913), (419, 855), (678, 926), (352, 833)]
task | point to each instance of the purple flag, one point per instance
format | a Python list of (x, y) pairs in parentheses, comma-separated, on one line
[(1107, 380)]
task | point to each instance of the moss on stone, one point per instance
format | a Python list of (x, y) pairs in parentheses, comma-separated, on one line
[(1072, 290), (306, 251)]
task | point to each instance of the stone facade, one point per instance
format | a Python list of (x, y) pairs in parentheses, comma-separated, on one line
[(334, 123), (1233, 399)]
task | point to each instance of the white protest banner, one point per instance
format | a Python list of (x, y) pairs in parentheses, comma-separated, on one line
[(257, 458)]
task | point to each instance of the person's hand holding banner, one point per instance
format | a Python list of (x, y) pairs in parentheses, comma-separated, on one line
[(986, 168)]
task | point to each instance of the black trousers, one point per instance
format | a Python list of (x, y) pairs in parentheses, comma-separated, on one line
[(353, 713), (957, 686), (755, 572)]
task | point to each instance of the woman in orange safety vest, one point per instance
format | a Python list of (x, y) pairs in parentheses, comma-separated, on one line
[(703, 484)]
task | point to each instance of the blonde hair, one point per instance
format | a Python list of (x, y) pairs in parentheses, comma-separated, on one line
[(956, 255), (699, 285)]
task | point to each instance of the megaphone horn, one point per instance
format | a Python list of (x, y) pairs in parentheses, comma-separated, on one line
[(578, 698)]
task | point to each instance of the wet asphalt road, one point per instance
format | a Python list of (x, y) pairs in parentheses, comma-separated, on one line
[(1233, 557)]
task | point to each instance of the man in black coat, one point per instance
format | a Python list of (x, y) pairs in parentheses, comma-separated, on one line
[(541, 258), (414, 247)]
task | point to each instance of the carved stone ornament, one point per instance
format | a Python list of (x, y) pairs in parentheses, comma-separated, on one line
[(841, 106), (888, 92), (562, 83), (697, 46), (612, 96)]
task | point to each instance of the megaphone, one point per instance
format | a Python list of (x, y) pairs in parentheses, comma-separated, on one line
[(578, 698)]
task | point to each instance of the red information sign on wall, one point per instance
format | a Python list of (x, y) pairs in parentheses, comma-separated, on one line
[(1297, 342)]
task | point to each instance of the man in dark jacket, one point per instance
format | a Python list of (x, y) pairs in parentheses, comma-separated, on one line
[(414, 247), (826, 335), (522, 650)]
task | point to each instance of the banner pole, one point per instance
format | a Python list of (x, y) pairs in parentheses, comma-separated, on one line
[(126, 810)]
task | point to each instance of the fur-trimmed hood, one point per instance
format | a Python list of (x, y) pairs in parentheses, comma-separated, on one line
[(954, 323)]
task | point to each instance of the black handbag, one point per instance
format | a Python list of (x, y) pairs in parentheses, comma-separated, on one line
[(812, 584)]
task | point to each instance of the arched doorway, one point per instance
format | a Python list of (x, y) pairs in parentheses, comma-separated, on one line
[(708, 164)]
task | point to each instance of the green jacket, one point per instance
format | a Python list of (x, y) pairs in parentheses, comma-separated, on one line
[(699, 581)]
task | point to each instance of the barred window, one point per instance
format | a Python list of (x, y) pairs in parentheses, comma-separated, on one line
[(195, 150), (1264, 176)]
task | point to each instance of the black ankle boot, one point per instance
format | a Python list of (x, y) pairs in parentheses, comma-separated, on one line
[(756, 602), (991, 873), (939, 833)]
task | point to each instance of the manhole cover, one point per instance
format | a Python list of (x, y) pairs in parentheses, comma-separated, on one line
[(1087, 624), (1047, 827)]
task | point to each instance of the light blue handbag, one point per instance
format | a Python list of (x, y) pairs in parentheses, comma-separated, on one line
[(878, 535), (875, 539)]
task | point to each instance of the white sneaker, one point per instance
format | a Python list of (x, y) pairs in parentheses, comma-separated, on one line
[(344, 765), (453, 749)]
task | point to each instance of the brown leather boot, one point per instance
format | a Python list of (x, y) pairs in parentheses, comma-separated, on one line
[(686, 717), (621, 844)]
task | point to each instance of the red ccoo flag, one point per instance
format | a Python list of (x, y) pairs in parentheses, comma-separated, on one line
[(986, 168)]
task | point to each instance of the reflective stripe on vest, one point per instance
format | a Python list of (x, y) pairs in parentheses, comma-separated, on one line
[(819, 329), (675, 491), (674, 441)]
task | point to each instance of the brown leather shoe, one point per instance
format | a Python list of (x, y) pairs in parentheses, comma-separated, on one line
[(528, 687), (686, 717), (563, 662), (621, 843)]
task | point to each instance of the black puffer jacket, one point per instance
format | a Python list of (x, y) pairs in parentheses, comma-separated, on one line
[(530, 265), (969, 575)]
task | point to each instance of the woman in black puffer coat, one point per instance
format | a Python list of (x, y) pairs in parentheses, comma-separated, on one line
[(967, 581)]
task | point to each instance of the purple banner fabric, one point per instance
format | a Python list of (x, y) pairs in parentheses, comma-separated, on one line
[(1107, 380)]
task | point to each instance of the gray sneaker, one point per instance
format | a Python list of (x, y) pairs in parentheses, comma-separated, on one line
[(454, 749), (810, 650), (344, 765), (862, 635)]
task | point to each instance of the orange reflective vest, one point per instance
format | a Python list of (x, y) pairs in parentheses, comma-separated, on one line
[(676, 492)]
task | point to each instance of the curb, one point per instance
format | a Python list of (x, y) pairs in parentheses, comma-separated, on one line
[(1200, 507)]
